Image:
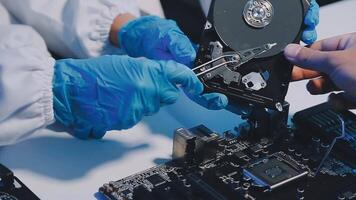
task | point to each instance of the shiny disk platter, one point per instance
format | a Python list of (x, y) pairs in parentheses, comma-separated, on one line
[(241, 50)]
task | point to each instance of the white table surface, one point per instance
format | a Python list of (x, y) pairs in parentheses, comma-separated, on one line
[(56, 166)]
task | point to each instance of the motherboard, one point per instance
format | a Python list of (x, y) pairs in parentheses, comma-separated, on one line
[(12, 188), (241, 56), (298, 163)]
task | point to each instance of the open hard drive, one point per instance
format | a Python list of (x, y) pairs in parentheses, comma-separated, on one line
[(241, 51)]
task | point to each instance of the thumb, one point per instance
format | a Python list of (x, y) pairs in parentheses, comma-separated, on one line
[(309, 58)]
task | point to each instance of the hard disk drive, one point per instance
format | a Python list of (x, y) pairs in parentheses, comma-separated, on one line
[(241, 50)]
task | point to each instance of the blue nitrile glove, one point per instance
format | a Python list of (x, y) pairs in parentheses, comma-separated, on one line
[(211, 101), (92, 96), (161, 39), (311, 21), (156, 38)]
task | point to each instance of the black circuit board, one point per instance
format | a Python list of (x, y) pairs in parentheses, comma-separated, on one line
[(11, 188), (323, 123), (207, 165)]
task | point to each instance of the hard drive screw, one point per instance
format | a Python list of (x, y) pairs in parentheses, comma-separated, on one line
[(279, 107), (208, 25)]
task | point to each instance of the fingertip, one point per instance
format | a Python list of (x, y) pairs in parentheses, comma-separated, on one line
[(309, 36), (214, 101), (291, 52), (181, 48), (221, 105), (316, 86), (311, 88), (223, 101), (185, 58)]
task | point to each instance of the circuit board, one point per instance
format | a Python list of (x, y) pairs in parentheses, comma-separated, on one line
[(11, 188), (208, 165)]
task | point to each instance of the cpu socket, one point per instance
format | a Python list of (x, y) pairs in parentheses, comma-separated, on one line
[(273, 172)]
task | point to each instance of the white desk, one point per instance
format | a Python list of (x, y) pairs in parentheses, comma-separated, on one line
[(56, 166)]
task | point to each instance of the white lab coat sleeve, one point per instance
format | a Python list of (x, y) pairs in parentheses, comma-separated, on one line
[(5, 17), (26, 73), (73, 28)]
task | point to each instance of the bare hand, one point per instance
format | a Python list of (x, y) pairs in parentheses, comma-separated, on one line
[(329, 63)]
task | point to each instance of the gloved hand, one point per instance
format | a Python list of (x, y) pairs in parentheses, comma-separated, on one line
[(211, 101), (311, 21), (161, 39), (156, 38), (329, 63), (92, 96)]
